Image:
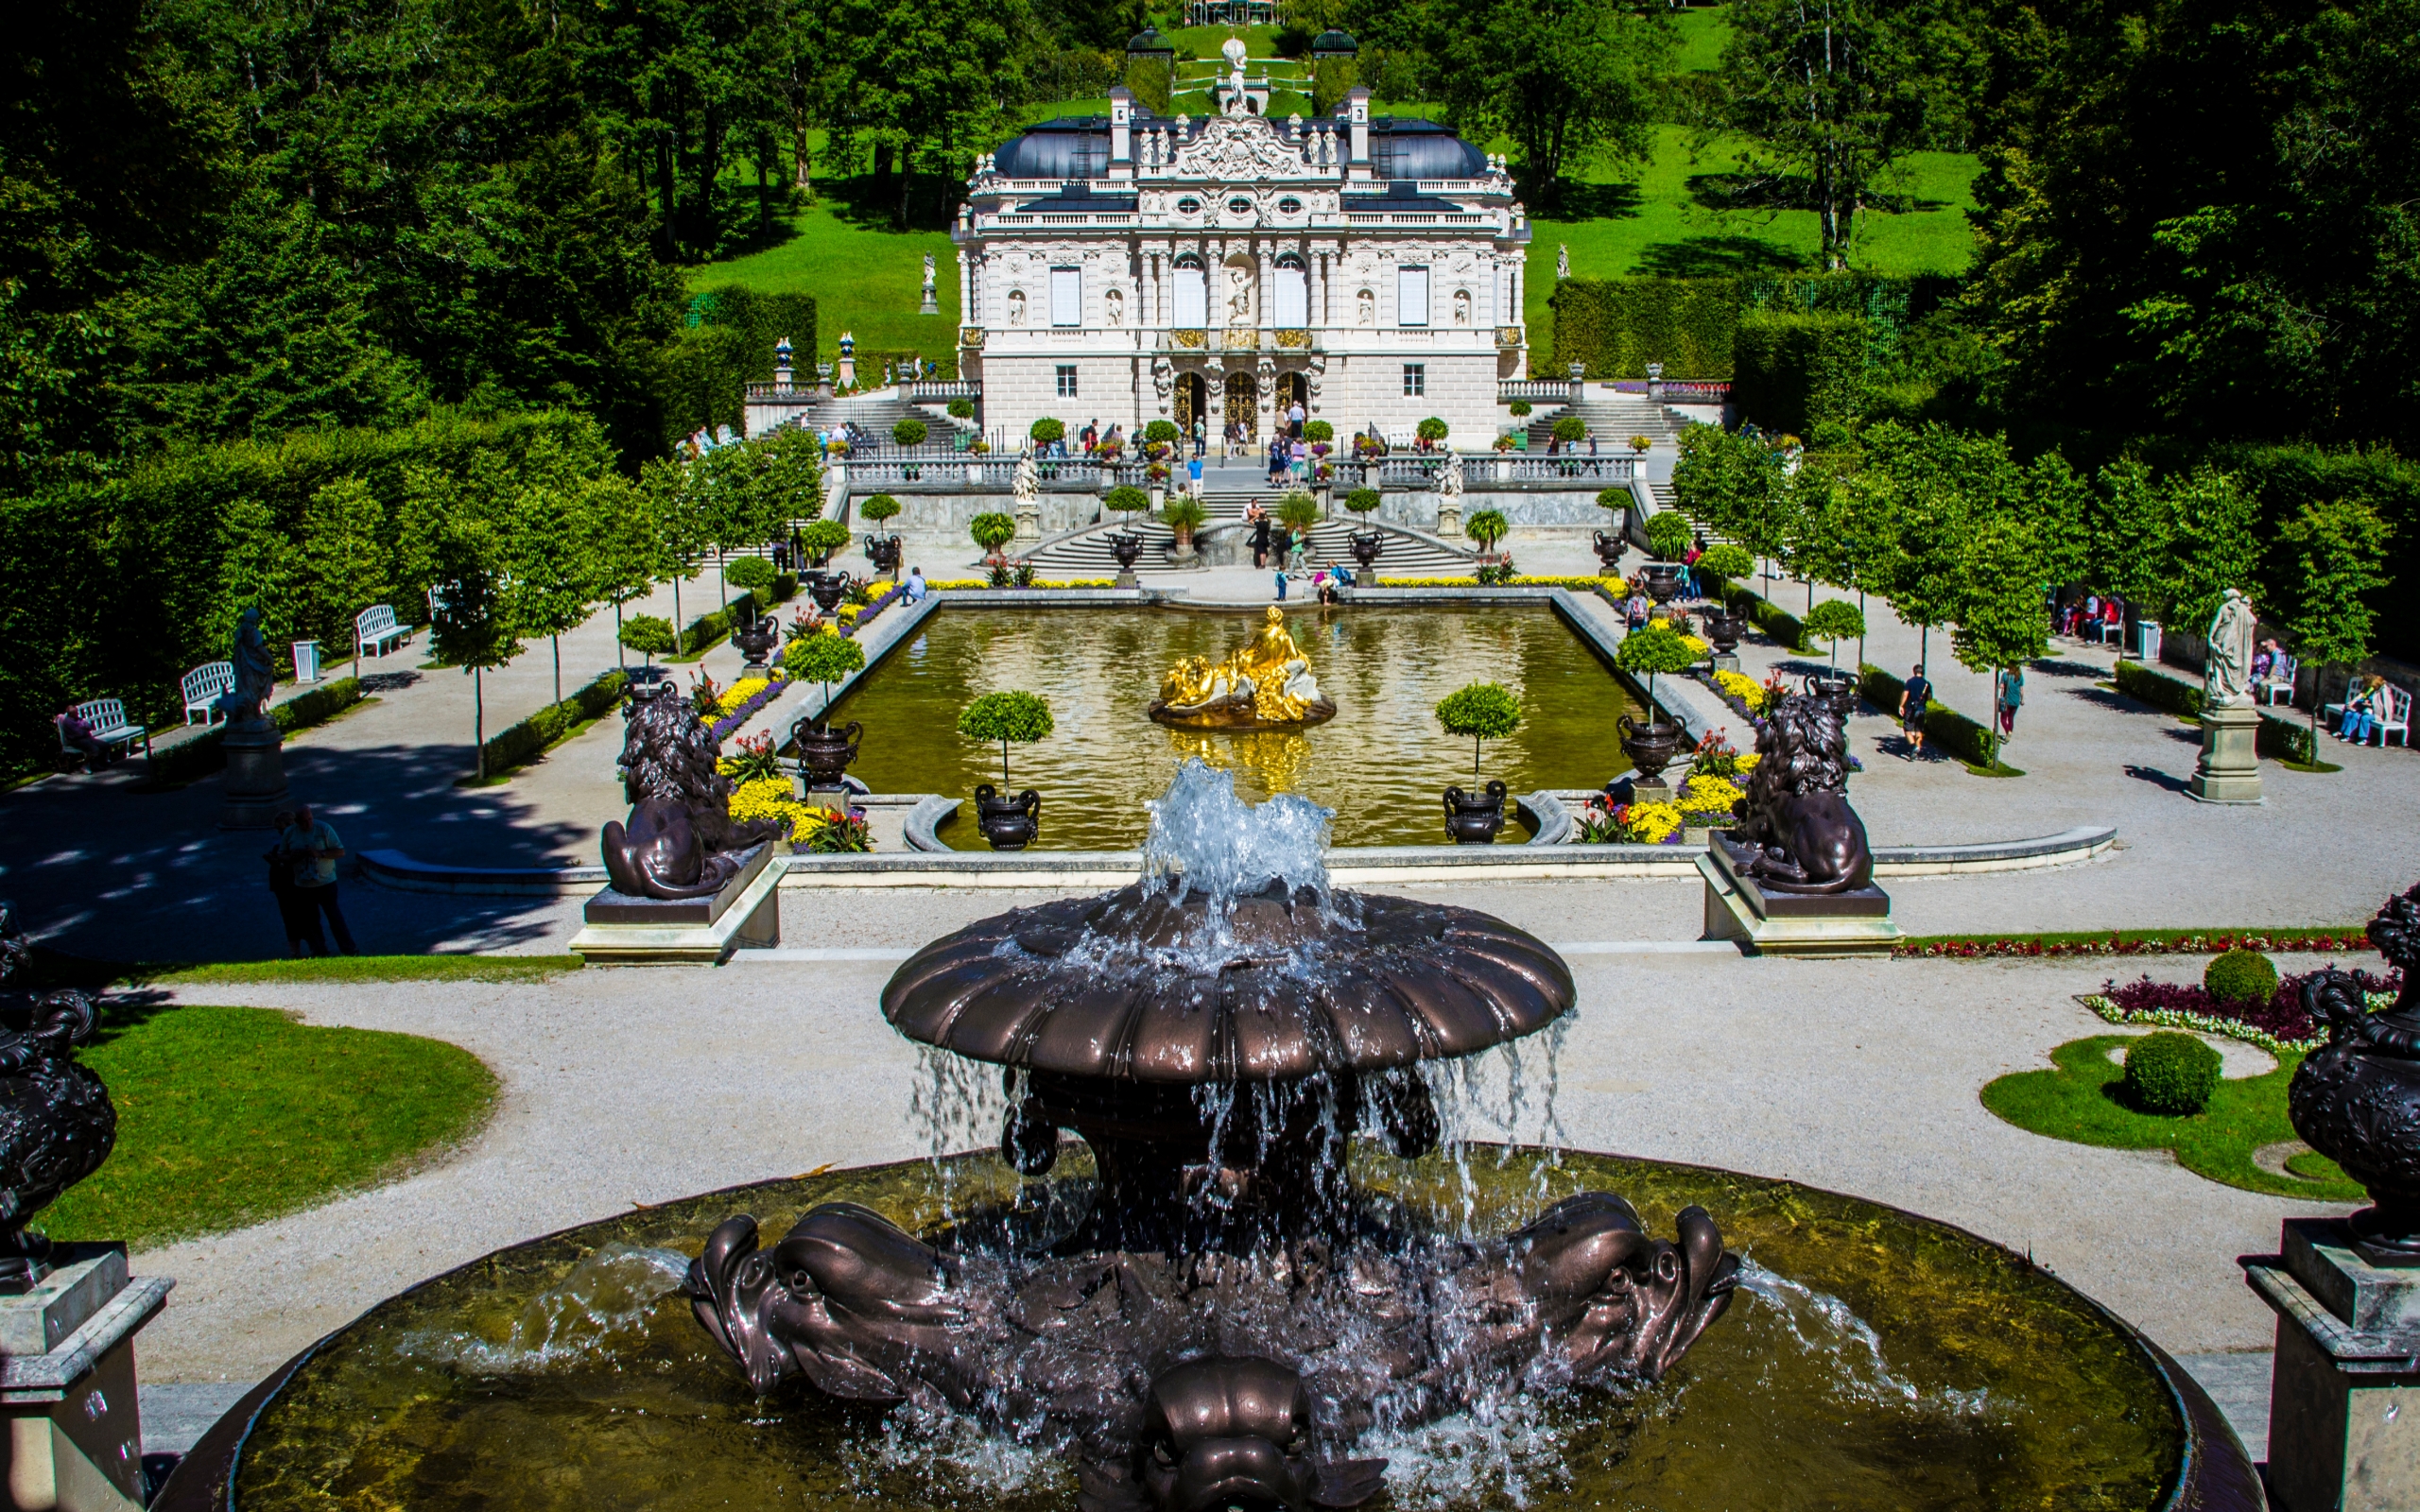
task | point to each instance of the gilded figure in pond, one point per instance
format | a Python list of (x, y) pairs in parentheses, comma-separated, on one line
[(1266, 684)]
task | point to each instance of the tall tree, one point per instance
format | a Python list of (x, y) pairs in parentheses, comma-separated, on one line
[(2334, 549), (939, 76), (1566, 80), (344, 561)]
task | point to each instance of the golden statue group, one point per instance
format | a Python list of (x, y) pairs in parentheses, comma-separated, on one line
[(1265, 685)]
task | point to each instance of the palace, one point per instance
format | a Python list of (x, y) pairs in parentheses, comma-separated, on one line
[(1134, 268)]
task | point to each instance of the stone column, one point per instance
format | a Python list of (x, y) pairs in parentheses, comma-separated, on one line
[(2229, 770), (2348, 1333)]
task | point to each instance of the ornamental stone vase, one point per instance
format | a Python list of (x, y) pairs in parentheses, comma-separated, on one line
[(883, 551), (1836, 688), (1472, 818), (1126, 547), (755, 642), (1722, 629), (824, 753), (828, 588), (1009, 823), (2356, 1099), (1650, 746), (1662, 580), (1609, 551)]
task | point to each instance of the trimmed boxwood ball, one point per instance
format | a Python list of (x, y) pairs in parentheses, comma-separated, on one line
[(1569, 429), (821, 536), (1726, 561), (909, 431), (2171, 1074), (877, 508), (748, 572), (1046, 430), (1362, 501), (962, 409), (1126, 499), (1668, 535), (2240, 976)]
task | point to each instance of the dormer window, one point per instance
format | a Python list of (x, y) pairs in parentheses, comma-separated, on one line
[(1289, 206), (1239, 205), (1188, 206)]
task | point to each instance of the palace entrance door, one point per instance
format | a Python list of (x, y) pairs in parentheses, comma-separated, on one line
[(1192, 402), (1243, 403), (1292, 389)]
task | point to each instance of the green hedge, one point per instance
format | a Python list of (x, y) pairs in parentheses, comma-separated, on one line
[(1617, 326), (524, 742), (1767, 617), (714, 624), (2278, 738), (189, 759), (1977, 745), (1793, 370), (728, 345)]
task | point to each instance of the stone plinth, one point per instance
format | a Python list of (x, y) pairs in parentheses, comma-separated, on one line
[(2344, 1399), (254, 784), (2229, 770), (1726, 662), (621, 929), (1767, 922), (67, 1383)]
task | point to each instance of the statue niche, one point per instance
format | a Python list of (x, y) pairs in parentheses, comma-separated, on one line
[(1266, 684)]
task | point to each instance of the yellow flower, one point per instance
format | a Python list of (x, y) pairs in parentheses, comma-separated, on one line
[(1747, 690), (1649, 823), (768, 798), (739, 693), (850, 612), (1748, 762), (1704, 794)]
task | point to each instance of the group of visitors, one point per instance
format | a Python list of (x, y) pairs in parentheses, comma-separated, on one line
[(2093, 617), (302, 878), (1289, 460), (1272, 540), (1094, 439)]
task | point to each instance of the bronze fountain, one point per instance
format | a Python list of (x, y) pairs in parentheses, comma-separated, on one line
[(1228, 1314), (1265, 685)]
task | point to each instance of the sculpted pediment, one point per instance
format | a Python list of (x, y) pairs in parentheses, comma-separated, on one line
[(1239, 146)]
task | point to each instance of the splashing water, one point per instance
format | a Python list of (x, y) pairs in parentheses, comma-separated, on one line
[(1826, 1328), (604, 1300), (1205, 839)]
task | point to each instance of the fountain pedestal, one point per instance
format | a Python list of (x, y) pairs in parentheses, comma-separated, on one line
[(2347, 1369), (73, 1423), (1767, 922)]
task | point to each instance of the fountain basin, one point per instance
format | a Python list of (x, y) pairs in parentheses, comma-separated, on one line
[(1875, 1358)]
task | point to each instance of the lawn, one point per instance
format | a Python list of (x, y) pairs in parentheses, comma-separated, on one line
[(233, 1116), (2082, 1101), (365, 969)]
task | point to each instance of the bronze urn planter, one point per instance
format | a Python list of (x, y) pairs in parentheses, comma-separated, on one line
[(1650, 746), (824, 753), (1126, 547), (1834, 687), (1009, 823), (1472, 818), (2356, 1099), (1662, 580), (883, 551), (1723, 630), (755, 642), (828, 588), (1609, 551)]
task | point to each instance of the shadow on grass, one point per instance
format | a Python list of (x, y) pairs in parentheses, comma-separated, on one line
[(1597, 202), (866, 202), (1718, 257)]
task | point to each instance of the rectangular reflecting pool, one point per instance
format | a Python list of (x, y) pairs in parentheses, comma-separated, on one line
[(1382, 762)]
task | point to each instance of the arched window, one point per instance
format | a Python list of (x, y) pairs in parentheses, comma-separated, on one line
[(1192, 293), (1293, 292)]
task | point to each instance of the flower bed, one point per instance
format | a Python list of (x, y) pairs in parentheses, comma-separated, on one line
[(854, 616), (1612, 585), (2278, 1024), (808, 827), (962, 585), (743, 698), (2154, 942)]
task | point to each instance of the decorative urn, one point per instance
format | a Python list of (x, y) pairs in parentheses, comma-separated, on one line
[(1662, 580), (1723, 630), (1126, 547), (828, 588), (824, 753), (1366, 545), (1472, 818), (1609, 551), (1835, 687), (1651, 746), (755, 642), (883, 551), (1009, 823), (2356, 1099)]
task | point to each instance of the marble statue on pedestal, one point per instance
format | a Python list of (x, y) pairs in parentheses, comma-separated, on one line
[(2226, 677)]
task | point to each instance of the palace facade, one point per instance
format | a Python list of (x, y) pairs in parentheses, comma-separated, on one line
[(1135, 267)]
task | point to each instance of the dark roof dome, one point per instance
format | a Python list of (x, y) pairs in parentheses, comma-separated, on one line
[(1408, 147), (1333, 40), (1149, 40), (1073, 146)]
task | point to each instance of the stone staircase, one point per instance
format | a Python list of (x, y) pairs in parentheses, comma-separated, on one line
[(1612, 420), (1225, 493)]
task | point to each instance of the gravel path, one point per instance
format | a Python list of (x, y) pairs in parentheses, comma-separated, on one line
[(638, 1086)]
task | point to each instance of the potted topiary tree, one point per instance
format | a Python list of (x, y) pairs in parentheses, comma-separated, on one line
[(1833, 620), (1366, 542), (820, 539), (1123, 542), (1651, 746), (909, 431), (1610, 545), (1431, 431), (1010, 824), (1481, 711), (882, 549), (1668, 542), (991, 530), (824, 753), (1638, 445), (1047, 433), (1487, 528), (651, 635), (1183, 514)]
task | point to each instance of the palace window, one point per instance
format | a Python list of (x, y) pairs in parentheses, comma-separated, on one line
[(1188, 206), (1293, 292), (1192, 294), (1412, 296), (1067, 381), (1289, 206), (1066, 296), (1415, 379)]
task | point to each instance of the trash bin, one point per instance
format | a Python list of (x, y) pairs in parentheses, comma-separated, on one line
[(2147, 640), (306, 661)]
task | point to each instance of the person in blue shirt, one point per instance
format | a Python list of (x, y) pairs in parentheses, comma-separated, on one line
[(916, 585)]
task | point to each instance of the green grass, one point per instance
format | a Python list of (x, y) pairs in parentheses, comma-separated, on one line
[(2082, 1101), (2134, 936), (362, 969), (234, 1116), (1702, 34)]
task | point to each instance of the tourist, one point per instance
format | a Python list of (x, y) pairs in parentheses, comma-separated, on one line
[(1201, 444), (1298, 551), (299, 928), (2113, 619), (1294, 420), (316, 849), (1089, 437), (75, 732), (1277, 461), (1635, 611), (2264, 661), (1913, 699), (2362, 712), (2010, 686), (1259, 518), (1689, 570), (916, 585), (1299, 458), (1281, 582)]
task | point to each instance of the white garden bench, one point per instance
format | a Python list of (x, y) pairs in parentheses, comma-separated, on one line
[(375, 626), (107, 718), (203, 685), (2279, 681), (2397, 720)]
